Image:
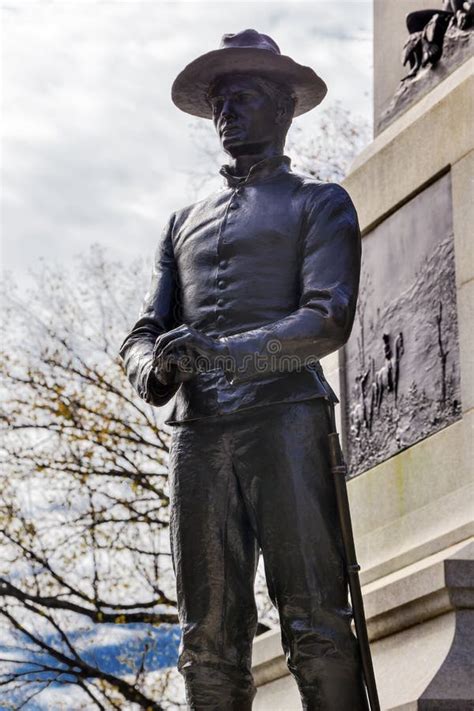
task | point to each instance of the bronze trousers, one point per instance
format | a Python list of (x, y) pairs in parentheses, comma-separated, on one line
[(260, 480)]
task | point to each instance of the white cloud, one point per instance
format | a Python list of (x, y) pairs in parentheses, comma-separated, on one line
[(93, 148)]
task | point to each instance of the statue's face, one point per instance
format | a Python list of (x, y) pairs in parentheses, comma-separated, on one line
[(244, 116)]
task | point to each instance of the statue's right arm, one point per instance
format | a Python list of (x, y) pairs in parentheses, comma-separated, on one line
[(157, 315)]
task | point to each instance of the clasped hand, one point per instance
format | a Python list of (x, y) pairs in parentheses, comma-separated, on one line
[(180, 354)]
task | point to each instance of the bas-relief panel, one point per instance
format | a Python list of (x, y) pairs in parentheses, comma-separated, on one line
[(402, 380)]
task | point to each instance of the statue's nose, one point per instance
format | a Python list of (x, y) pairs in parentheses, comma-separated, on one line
[(228, 109)]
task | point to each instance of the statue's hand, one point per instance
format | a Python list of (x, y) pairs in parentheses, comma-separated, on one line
[(187, 349), (171, 369), (166, 374)]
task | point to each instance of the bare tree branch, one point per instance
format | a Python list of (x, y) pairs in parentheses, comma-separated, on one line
[(84, 496)]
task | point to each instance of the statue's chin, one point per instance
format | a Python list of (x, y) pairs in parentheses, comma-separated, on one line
[(244, 148)]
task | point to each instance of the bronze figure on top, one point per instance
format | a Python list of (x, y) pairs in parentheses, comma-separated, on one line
[(251, 287), (428, 28)]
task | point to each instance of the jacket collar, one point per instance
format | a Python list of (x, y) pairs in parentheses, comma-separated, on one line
[(264, 169)]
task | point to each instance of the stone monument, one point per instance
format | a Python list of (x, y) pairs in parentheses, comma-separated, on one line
[(405, 378)]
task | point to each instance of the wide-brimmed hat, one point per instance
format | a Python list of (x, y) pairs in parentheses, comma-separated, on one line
[(247, 52)]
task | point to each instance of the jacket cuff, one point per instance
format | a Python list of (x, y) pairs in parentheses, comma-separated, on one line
[(247, 357)]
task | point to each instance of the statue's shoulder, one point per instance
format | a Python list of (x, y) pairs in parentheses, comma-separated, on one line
[(321, 191), (182, 214)]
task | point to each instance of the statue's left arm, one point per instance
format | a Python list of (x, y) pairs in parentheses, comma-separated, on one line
[(330, 251)]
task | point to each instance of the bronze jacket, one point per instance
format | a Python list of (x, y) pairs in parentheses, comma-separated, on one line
[(271, 265)]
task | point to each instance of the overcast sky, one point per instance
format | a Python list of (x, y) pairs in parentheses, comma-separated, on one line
[(93, 149)]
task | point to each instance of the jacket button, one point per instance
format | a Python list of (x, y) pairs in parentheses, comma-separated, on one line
[(221, 284), (220, 302), (223, 263), (220, 319), (233, 206)]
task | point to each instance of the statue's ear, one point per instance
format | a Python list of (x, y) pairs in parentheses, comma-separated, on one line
[(283, 112), (280, 113)]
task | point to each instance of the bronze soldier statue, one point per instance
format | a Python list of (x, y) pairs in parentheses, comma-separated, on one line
[(251, 287)]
